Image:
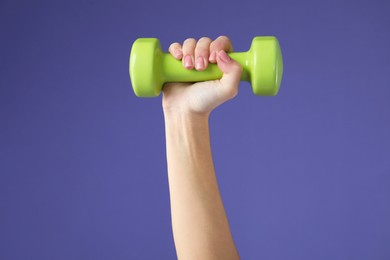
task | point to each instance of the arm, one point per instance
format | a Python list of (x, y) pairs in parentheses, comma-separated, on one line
[(200, 226)]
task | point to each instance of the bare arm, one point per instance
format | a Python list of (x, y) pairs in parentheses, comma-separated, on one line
[(200, 226)]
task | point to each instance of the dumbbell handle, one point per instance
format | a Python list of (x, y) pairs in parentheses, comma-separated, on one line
[(173, 70)]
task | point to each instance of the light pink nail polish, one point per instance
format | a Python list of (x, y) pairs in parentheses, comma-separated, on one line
[(199, 63), (223, 56), (188, 62)]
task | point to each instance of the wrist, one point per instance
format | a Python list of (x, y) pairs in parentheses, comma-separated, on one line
[(186, 126), (186, 116)]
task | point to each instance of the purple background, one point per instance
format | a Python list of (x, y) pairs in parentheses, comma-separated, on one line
[(304, 175)]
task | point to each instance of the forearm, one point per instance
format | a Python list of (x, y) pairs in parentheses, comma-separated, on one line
[(200, 225)]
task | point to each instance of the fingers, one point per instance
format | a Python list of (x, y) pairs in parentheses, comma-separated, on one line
[(198, 54), (232, 71), (221, 43), (188, 53), (202, 52), (175, 50)]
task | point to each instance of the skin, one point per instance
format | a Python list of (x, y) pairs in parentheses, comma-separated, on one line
[(199, 222)]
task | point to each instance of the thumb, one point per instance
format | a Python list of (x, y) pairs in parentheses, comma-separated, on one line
[(232, 71)]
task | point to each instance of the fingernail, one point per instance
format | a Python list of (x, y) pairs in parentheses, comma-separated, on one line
[(188, 62), (213, 56), (199, 63), (178, 53), (223, 56)]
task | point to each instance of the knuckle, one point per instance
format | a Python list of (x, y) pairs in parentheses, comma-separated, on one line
[(205, 39), (189, 41), (203, 54), (173, 46), (215, 44), (223, 42), (223, 38), (201, 50)]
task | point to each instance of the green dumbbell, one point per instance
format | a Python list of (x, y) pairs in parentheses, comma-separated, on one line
[(150, 67)]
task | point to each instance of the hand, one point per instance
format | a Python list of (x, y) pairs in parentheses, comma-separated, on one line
[(202, 97)]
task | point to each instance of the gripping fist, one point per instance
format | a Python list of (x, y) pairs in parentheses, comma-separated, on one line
[(202, 97)]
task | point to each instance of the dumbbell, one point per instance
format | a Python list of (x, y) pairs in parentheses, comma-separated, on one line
[(150, 67)]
